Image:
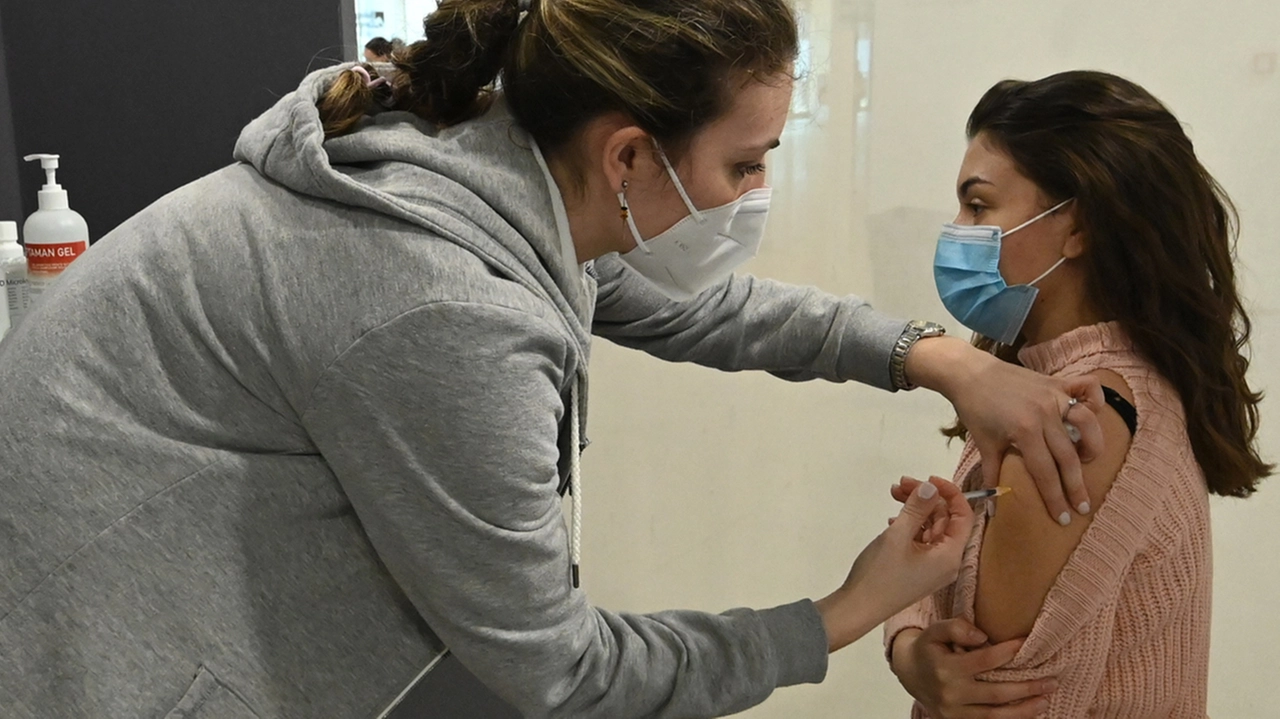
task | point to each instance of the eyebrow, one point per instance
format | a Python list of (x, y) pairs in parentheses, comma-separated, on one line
[(969, 183), (772, 145)]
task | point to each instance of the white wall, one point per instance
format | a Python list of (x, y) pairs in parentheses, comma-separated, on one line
[(415, 11), (401, 19), (706, 490)]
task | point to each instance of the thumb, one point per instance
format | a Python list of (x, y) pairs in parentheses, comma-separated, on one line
[(918, 509), (993, 657), (957, 632)]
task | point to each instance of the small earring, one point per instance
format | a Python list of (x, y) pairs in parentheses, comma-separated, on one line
[(622, 202)]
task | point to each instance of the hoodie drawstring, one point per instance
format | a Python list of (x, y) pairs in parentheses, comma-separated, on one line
[(575, 484)]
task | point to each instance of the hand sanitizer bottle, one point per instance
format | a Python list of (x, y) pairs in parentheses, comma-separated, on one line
[(55, 234), (13, 278)]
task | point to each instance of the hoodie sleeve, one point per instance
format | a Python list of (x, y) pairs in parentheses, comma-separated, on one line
[(746, 323), (442, 427)]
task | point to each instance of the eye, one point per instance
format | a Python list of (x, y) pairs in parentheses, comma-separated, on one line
[(755, 169), (974, 208)]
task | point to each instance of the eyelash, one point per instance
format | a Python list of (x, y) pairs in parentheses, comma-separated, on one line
[(975, 208), (751, 169)]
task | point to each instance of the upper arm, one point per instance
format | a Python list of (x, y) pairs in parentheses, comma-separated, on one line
[(747, 323), (1024, 550), (442, 427)]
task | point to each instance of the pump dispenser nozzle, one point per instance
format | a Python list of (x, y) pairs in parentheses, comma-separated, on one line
[(52, 196)]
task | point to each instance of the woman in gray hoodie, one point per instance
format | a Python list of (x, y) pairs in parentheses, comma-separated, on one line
[(276, 441)]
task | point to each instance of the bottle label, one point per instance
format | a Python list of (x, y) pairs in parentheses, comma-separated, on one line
[(52, 259), (18, 299)]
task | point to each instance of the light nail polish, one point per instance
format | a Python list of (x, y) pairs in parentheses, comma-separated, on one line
[(1064, 519), (1084, 508)]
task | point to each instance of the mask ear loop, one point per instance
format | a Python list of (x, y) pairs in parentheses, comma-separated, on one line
[(1048, 212), (697, 216), (1047, 272), (1038, 217), (625, 213)]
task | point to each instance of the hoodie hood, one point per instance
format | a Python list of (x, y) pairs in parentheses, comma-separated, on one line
[(477, 184)]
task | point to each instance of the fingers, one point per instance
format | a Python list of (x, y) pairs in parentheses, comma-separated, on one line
[(956, 632), (1041, 464), (941, 510), (916, 513), (1068, 461), (934, 527), (1089, 391), (939, 527), (993, 657), (1027, 709), (959, 520), (961, 643), (1084, 417), (992, 458), (1010, 692), (903, 489), (935, 530)]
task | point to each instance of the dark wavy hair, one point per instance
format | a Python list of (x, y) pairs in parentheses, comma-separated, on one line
[(380, 46), (1160, 234)]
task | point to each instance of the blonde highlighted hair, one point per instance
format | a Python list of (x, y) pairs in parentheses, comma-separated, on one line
[(669, 65)]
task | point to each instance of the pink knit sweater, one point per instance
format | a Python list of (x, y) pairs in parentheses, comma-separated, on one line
[(1125, 627)]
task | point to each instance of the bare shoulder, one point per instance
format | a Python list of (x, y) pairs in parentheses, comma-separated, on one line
[(1024, 549)]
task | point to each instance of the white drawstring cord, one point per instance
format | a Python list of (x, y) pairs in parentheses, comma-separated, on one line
[(575, 484)]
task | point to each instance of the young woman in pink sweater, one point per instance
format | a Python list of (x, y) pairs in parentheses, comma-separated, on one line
[(1091, 241)]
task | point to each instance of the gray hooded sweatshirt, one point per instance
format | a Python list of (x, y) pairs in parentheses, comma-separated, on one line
[(276, 441)]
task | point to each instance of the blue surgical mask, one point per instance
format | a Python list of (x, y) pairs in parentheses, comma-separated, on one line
[(966, 269)]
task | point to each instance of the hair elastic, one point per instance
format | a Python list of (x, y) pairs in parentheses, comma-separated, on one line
[(368, 79)]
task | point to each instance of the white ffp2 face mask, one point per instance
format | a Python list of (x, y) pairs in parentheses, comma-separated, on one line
[(703, 248)]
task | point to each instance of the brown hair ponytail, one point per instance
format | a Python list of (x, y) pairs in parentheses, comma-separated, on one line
[(670, 65), (449, 77), (348, 100)]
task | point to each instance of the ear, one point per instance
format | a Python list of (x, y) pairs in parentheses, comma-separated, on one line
[(1076, 243), (623, 153)]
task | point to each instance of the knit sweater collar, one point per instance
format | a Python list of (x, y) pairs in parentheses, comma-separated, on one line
[(1053, 356)]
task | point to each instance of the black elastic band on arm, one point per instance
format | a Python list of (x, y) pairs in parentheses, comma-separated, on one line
[(1127, 411)]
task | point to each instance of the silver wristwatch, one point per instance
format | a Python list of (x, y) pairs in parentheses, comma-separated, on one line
[(915, 330)]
